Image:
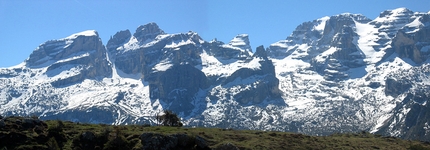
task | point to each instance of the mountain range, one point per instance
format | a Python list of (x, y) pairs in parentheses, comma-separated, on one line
[(343, 73)]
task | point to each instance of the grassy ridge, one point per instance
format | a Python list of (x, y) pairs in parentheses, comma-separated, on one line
[(29, 133)]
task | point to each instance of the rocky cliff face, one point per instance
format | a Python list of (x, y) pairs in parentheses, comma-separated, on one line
[(335, 74), (411, 41), (267, 86), (83, 54), (342, 53), (177, 87)]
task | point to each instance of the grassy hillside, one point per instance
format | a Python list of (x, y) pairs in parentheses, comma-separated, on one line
[(31, 133)]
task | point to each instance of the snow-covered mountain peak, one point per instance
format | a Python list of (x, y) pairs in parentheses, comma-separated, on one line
[(70, 48), (399, 15), (150, 35), (241, 41), (83, 33), (149, 29), (398, 12), (310, 39), (350, 16), (319, 26), (196, 37), (147, 32), (357, 17)]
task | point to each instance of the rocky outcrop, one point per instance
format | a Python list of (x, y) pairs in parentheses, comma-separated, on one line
[(395, 87), (174, 141), (260, 52), (227, 146), (119, 39), (148, 32)]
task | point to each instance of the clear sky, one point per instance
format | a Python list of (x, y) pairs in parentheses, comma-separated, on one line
[(25, 24)]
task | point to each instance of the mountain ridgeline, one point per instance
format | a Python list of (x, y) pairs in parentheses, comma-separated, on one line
[(343, 73)]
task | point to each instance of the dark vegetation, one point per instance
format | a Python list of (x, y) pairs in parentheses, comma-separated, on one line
[(32, 133), (169, 119)]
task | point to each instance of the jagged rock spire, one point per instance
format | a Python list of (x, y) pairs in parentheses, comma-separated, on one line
[(147, 31)]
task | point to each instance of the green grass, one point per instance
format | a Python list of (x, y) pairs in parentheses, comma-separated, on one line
[(68, 132)]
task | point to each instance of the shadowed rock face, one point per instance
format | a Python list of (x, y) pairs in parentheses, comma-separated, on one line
[(166, 62), (177, 86)]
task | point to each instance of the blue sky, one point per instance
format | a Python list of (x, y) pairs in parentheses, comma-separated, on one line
[(25, 24)]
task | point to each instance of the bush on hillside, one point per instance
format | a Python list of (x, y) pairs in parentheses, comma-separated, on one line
[(169, 119)]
